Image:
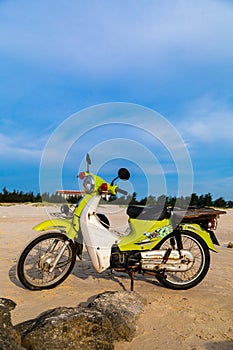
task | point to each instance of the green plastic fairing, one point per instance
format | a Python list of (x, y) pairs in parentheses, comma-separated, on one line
[(55, 224), (145, 234)]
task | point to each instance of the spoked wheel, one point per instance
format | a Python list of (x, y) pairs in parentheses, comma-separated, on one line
[(46, 261), (197, 270)]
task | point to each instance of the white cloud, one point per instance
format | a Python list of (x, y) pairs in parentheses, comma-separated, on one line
[(208, 120), (100, 36), (217, 186), (20, 148)]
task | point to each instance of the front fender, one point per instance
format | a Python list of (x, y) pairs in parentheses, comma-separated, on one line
[(195, 228), (57, 224)]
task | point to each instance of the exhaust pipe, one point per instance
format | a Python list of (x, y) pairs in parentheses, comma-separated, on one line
[(175, 261)]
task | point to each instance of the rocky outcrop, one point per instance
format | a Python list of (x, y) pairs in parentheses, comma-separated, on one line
[(9, 338), (105, 318), (67, 328), (122, 309)]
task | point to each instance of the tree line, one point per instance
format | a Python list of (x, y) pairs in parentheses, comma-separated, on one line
[(24, 197), (204, 200), (195, 200)]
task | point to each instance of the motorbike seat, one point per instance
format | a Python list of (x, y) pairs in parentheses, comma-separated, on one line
[(147, 213)]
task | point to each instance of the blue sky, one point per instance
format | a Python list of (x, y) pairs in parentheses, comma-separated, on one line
[(60, 57)]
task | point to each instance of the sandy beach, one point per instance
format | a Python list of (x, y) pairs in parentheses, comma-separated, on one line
[(197, 319)]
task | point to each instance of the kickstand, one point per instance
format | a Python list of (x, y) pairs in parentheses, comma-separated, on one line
[(131, 274)]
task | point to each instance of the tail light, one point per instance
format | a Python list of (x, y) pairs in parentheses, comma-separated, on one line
[(212, 224)]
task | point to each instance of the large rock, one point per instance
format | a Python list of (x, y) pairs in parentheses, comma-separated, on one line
[(107, 317), (122, 309), (9, 337), (67, 328)]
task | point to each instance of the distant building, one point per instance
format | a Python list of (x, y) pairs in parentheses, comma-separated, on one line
[(68, 193)]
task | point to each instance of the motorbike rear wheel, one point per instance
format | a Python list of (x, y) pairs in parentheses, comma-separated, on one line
[(37, 259), (198, 248)]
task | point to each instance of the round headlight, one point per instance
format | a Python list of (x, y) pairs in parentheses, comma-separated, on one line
[(89, 184)]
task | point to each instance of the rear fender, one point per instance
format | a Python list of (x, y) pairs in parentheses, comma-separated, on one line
[(195, 228)]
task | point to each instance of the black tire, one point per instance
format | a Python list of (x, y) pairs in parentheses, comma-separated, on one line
[(192, 242), (35, 261)]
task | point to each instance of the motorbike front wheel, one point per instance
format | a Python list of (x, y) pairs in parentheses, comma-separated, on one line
[(46, 261), (201, 260)]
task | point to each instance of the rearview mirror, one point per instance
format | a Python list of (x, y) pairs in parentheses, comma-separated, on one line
[(88, 159), (124, 174)]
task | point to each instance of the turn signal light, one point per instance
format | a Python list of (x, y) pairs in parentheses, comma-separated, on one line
[(104, 187), (81, 175)]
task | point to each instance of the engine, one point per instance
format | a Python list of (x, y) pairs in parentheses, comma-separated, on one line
[(124, 260), (155, 260)]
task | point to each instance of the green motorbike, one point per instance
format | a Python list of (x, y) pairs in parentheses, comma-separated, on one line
[(160, 242)]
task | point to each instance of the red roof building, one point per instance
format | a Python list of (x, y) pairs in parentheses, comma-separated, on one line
[(68, 193)]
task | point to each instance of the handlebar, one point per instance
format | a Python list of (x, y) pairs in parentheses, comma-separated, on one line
[(119, 190)]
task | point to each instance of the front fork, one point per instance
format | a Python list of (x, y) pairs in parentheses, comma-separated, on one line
[(58, 257)]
